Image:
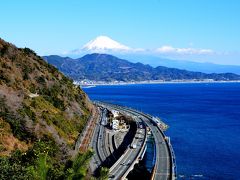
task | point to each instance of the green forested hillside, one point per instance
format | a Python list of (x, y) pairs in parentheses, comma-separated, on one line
[(108, 68), (41, 116)]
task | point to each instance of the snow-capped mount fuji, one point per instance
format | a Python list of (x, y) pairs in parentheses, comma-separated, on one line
[(103, 44)]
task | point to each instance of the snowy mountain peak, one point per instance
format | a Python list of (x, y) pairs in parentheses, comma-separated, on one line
[(102, 43)]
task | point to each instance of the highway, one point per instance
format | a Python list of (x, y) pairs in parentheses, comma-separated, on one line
[(163, 164), (164, 167), (129, 156), (99, 144)]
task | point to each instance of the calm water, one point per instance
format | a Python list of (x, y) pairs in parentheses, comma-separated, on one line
[(204, 122)]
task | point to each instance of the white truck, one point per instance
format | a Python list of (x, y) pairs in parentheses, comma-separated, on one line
[(133, 146)]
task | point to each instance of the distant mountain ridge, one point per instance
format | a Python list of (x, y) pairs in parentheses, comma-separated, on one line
[(105, 67), (191, 59), (189, 65)]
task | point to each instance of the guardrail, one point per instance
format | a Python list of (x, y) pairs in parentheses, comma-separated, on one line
[(173, 160)]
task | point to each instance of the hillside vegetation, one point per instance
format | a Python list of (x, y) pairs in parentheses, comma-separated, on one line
[(104, 67), (41, 116)]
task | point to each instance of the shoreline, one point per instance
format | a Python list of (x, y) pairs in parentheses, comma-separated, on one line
[(94, 84)]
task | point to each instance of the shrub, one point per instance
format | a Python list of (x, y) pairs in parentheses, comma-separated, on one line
[(104, 173), (26, 111), (17, 123), (41, 80), (79, 166), (4, 78), (29, 51)]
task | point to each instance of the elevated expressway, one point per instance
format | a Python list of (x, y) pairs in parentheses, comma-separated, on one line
[(164, 168), (131, 156)]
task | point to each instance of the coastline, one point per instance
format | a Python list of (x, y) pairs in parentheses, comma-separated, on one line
[(94, 84), (196, 113)]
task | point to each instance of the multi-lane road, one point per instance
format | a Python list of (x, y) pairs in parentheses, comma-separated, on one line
[(163, 156), (131, 155), (96, 160), (100, 146), (163, 169)]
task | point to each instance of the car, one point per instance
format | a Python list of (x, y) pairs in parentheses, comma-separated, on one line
[(112, 176)]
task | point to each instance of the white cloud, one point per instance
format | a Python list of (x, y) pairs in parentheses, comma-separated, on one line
[(183, 51), (104, 44)]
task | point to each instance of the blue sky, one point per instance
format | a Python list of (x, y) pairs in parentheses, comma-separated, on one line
[(55, 26)]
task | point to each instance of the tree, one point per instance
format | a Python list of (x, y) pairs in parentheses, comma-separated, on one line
[(104, 172), (80, 166), (41, 168)]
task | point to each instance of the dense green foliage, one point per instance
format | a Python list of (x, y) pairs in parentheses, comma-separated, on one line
[(78, 170), (39, 163), (104, 172), (31, 164)]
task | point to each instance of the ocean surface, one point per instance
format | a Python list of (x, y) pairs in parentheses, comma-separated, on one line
[(204, 120)]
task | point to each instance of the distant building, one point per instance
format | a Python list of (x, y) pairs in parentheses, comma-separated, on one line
[(115, 113), (115, 124)]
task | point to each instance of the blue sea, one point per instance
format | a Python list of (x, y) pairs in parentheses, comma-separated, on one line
[(204, 120)]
